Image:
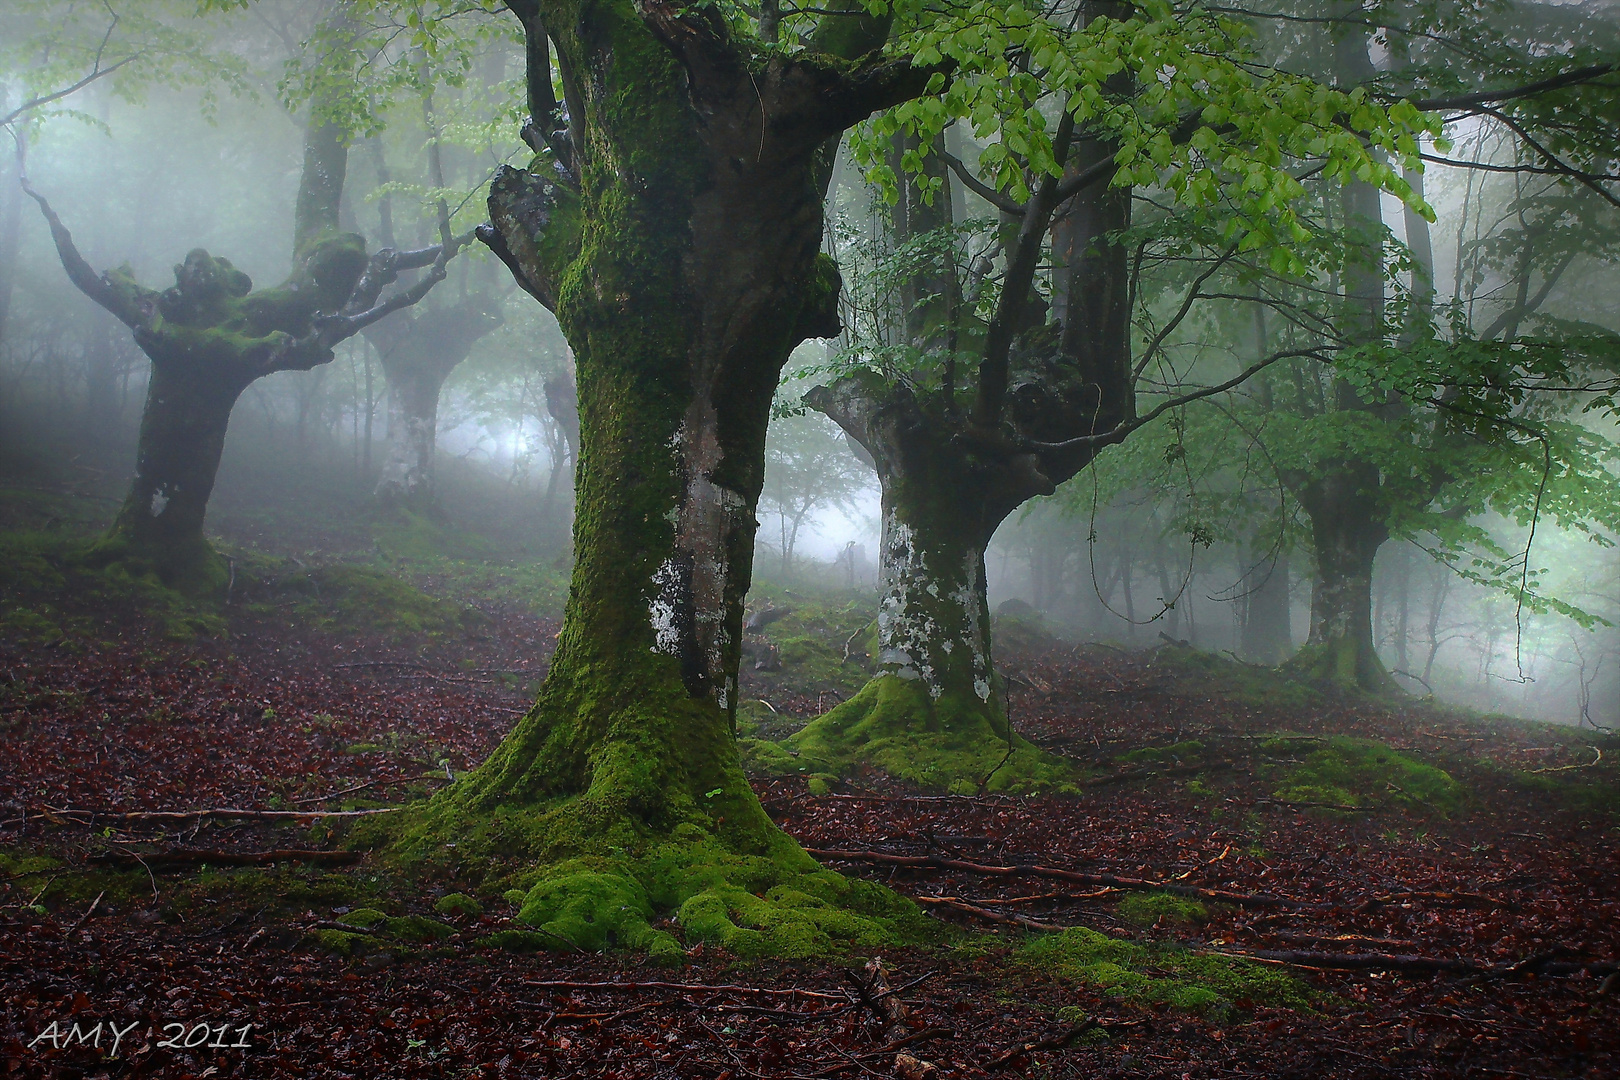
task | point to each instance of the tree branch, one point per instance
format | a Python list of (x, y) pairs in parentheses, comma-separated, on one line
[(95, 286), (34, 103), (1497, 97), (1114, 435), (984, 191)]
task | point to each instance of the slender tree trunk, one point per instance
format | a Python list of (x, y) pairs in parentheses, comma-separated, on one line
[(1267, 619), (412, 401), (10, 226)]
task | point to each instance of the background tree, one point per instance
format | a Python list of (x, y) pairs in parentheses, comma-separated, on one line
[(211, 336)]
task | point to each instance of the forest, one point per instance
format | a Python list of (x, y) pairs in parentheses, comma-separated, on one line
[(743, 539)]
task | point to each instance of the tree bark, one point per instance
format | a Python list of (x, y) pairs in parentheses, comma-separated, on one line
[(679, 246), (1348, 526)]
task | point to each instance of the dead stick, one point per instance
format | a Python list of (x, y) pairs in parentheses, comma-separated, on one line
[(1052, 1043), (940, 863), (91, 910), (190, 815), (567, 984), (335, 794), (186, 857), (1012, 919), (1401, 962)]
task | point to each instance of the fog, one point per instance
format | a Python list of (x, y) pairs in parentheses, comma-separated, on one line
[(141, 177)]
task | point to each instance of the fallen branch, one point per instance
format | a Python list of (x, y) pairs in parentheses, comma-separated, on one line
[(695, 988), (335, 794), (1539, 965), (1053, 1042), (1139, 884), (50, 812), (1566, 768), (188, 857), (1150, 774), (1008, 918)]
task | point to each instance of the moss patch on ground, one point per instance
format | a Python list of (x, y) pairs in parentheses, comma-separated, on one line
[(1362, 773), (1205, 674), (1162, 909), (949, 744), (1213, 986)]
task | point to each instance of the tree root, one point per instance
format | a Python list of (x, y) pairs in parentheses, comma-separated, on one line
[(1139, 884), (185, 857)]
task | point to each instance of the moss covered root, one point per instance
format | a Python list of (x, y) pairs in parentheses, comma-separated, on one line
[(953, 743), (666, 847)]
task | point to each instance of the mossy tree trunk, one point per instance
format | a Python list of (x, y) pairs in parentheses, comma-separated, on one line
[(934, 713), (210, 336), (1348, 526), (675, 230), (418, 352)]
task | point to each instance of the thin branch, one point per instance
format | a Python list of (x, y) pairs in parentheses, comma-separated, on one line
[(980, 188), (92, 284), (35, 103), (1114, 435), (1181, 314), (1497, 97)]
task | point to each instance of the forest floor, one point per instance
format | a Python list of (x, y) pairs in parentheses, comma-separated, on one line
[(1427, 893)]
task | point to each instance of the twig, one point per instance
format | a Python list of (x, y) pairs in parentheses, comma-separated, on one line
[(335, 794), (1566, 768), (695, 988), (91, 910), (1053, 1042), (189, 815), (1400, 962), (186, 857), (1012, 919)]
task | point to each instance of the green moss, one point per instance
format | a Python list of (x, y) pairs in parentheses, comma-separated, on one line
[(454, 904), (518, 941), (1339, 666), (1361, 772), (20, 865), (365, 918), (893, 725), (1148, 909), (1209, 985), (341, 942), (666, 825), (360, 598), (404, 533)]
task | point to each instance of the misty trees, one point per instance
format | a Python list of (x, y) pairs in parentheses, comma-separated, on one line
[(211, 335), (982, 413)]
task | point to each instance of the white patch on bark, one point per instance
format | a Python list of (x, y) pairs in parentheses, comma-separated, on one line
[(908, 629), (160, 501), (663, 611), (706, 520)]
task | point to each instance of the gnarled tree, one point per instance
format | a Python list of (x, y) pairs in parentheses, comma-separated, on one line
[(211, 335)]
